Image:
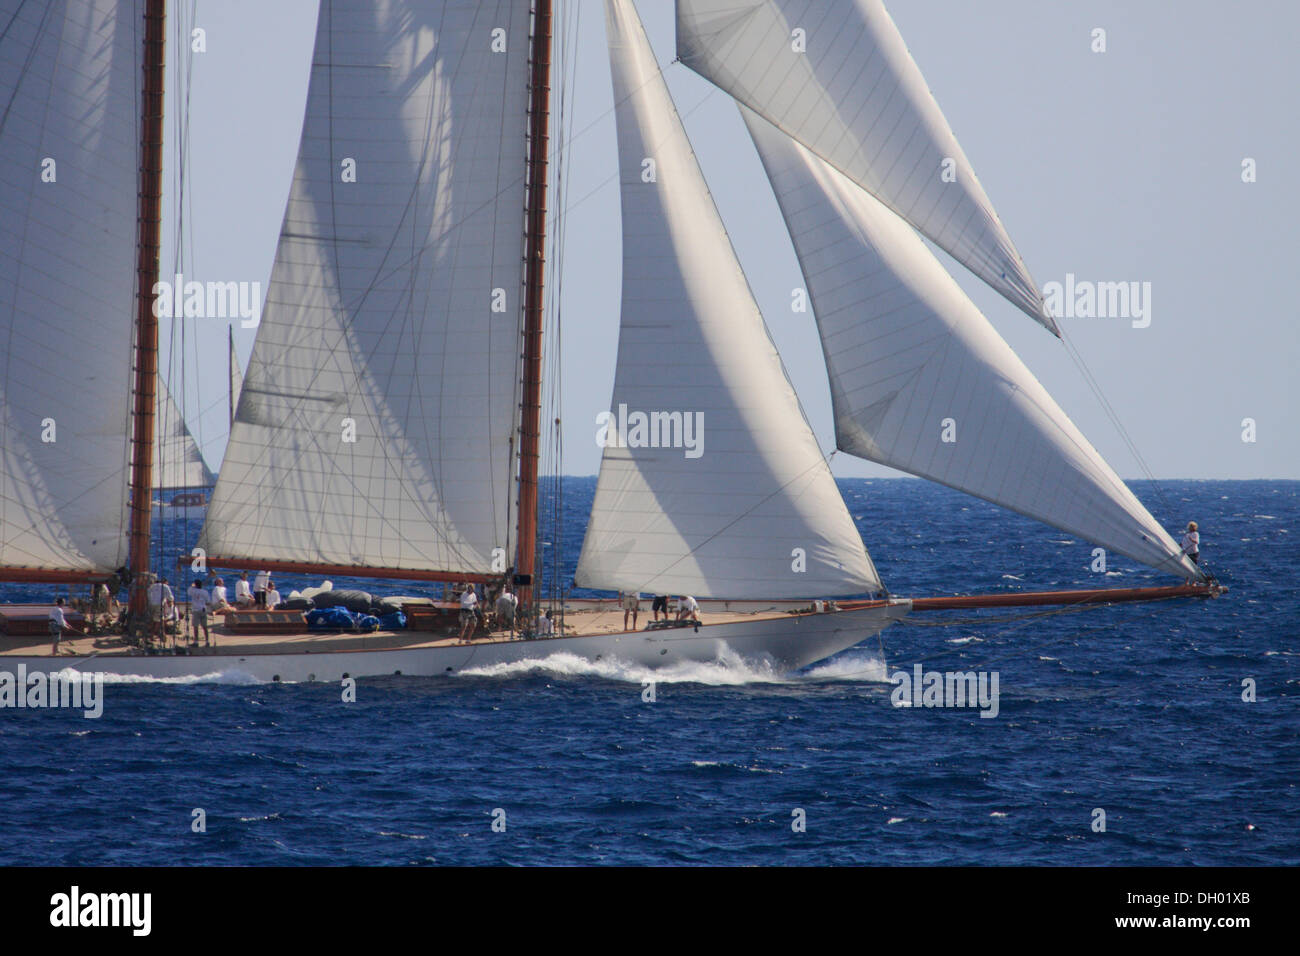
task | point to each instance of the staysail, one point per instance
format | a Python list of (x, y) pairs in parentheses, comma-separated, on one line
[(837, 76), (920, 380), (719, 488), (69, 73), (376, 424), (236, 372), (177, 461)]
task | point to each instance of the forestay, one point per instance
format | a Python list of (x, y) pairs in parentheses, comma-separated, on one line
[(376, 422), (748, 507), (836, 75), (68, 185), (920, 380)]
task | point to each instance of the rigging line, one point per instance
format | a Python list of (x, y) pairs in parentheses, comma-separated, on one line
[(1077, 357)]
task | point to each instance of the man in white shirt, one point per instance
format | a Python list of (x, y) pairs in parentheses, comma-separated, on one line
[(199, 601), (272, 595), (219, 600), (161, 599), (468, 613), (243, 591), (507, 604), (1192, 543), (259, 587), (688, 609), (545, 626), (58, 623), (631, 601)]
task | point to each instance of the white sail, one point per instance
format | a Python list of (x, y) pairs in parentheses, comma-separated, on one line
[(236, 380), (920, 380), (377, 419), (68, 191), (752, 510), (836, 75), (177, 461)]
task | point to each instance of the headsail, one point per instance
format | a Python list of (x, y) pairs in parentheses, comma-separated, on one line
[(742, 513), (177, 461), (907, 350), (69, 73), (236, 372), (378, 414), (836, 75)]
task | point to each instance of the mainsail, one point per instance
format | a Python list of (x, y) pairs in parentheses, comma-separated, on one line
[(69, 73), (377, 419), (752, 511), (920, 380), (836, 76), (177, 461)]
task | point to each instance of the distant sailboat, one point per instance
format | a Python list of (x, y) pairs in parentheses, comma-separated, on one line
[(389, 422)]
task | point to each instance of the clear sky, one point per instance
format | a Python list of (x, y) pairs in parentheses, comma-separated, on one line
[(1123, 165)]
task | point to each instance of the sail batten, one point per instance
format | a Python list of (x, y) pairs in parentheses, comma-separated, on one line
[(376, 423), (69, 73), (739, 502), (836, 76), (921, 382)]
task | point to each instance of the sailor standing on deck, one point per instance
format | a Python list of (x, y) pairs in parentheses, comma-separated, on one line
[(468, 613), (688, 609), (57, 623), (259, 587), (199, 601), (506, 606), (1192, 543), (631, 601)]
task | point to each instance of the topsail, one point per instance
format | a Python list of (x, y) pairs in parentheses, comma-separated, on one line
[(836, 76)]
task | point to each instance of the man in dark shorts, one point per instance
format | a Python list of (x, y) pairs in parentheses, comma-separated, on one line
[(660, 604)]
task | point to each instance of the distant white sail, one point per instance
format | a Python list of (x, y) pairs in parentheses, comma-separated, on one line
[(836, 75), (177, 461), (920, 380), (377, 420), (753, 511), (236, 380), (69, 73)]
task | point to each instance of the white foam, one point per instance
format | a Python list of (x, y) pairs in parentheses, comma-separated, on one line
[(230, 676), (728, 670)]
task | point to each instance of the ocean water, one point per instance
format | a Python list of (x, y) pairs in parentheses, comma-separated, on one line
[(1134, 710)]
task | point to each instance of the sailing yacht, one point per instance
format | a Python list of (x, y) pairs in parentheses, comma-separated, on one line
[(388, 424)]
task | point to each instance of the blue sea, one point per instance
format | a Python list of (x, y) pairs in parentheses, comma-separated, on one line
[(1135, 710)]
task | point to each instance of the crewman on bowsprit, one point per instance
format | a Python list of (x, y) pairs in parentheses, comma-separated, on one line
[(1192, 543)]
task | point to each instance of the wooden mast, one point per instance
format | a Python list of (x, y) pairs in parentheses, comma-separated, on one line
[(534, 266), (146, 334)]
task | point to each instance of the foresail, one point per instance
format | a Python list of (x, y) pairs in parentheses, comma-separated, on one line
[(68, 191), (236, 380), (836, 75), (920, 380), (376, 424), (711, 482), (177, 461)]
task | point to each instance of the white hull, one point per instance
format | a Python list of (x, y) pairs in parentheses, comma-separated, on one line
[(786, 643)]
